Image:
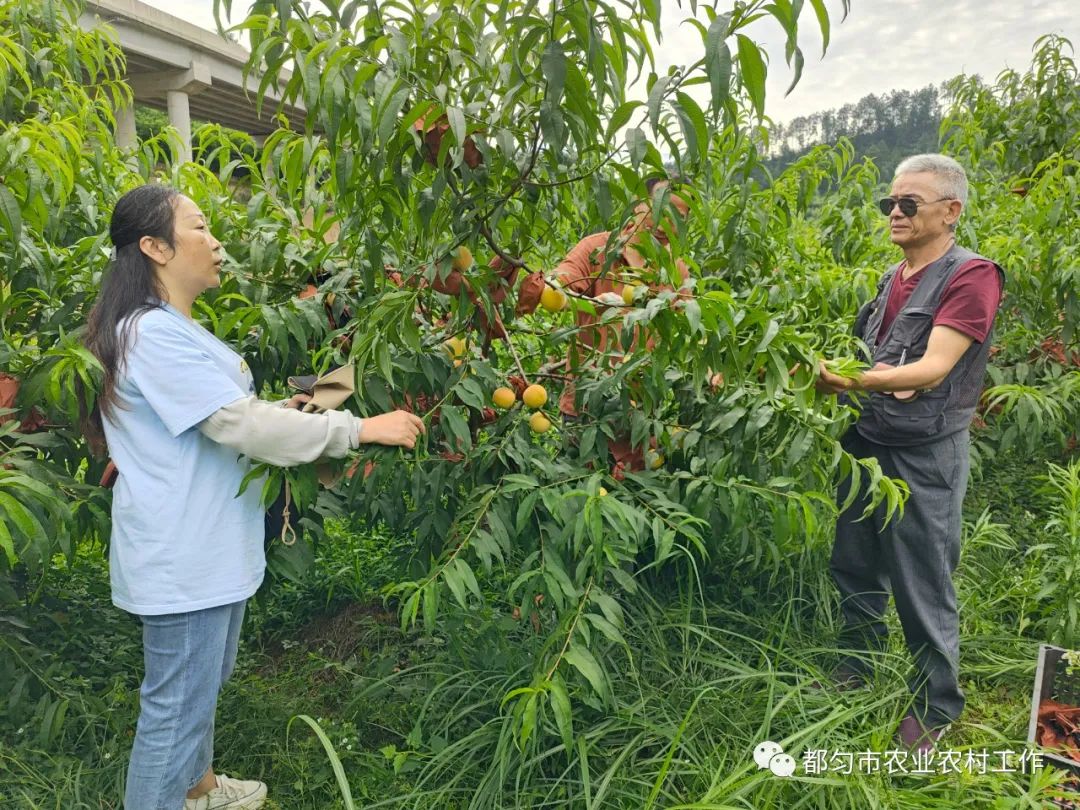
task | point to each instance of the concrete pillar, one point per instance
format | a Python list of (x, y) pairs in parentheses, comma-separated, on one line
[(180, 119), (125, 127)]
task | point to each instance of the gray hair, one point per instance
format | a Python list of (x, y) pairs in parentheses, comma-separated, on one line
[(952, 179)]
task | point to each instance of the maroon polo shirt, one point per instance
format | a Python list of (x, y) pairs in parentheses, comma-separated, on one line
[(968, 304)]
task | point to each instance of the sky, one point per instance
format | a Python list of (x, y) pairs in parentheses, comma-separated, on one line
[(883, 45)]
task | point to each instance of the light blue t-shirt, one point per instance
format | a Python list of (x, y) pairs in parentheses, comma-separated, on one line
[(182, 539)]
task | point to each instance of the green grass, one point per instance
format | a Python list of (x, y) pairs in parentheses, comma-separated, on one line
[(414, 720)]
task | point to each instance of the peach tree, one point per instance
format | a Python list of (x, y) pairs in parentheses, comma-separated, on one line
[(452, 153), (450, 156)]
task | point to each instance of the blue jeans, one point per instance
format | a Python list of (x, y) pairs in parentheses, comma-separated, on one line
[(188, 656)]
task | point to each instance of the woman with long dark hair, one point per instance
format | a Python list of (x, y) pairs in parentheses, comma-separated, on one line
[(178, 412)]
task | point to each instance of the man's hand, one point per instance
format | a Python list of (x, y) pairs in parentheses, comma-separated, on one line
[(944, 349), (829, 383), (395, 429)]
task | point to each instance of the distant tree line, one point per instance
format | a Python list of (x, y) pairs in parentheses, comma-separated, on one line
[(885, 128)]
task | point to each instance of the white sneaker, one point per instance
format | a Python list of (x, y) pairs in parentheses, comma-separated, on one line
[(230, 794)]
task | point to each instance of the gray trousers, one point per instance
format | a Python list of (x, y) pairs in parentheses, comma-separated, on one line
[(917, 555)]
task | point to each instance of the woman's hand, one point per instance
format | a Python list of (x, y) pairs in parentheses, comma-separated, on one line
[(298, 401), (396, 429)]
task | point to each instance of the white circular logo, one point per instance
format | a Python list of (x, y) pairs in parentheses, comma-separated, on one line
[(765, 752), (782, 765), (771, 755)]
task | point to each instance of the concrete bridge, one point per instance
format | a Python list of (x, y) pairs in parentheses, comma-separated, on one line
[(185, 70)]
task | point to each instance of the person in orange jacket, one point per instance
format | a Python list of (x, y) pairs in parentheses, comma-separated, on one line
[(589, 270)]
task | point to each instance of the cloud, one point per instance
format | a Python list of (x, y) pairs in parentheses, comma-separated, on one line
[(198, 12), (887, 46)]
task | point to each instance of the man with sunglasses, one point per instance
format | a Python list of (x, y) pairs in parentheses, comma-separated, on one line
[(928, 331)]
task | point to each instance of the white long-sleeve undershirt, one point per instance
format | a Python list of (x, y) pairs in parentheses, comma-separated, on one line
[(285, 437)]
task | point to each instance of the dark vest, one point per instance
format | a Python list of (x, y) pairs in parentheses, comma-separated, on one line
[(944, 410)]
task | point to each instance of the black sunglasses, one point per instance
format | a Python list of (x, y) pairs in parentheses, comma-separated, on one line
[(908, 206)]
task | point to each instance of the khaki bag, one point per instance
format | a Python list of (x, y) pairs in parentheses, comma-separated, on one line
[(327, 393)]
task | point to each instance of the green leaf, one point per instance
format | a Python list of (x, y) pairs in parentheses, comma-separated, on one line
[(656, 98), (52, 722), (610, 631), (798, 58), (620, 117), (636, 144), (457, 427), (718, 60), (470, 392), (312, 83), (456, 583), (612, 610), (391, 114), (579, 657), (292, 562), (823, 22), (525, 510), (18, 514), (667, 542), (468, 577), (728, 420), (10, 215), (771, 331), (692, 309), (7, 545), (457, 123), (553, 125), (410, 609), (692, 119), (516, 481), (553, 65), (752, 71), (561, 708), (528, 720), (430, 594)]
